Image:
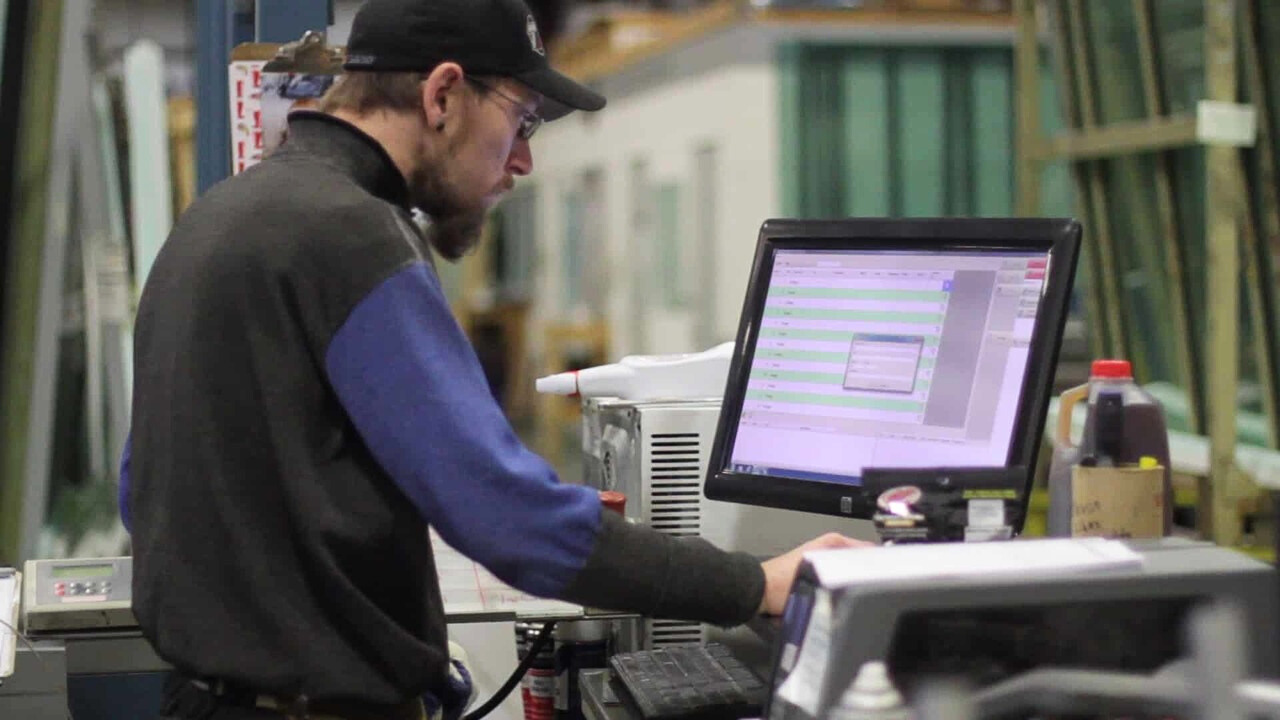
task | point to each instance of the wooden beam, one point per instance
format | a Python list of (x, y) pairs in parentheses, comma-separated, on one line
[(1124, 138), (1222, 236), (597, 53), (1027, 69), (867, 16), (593, 56)]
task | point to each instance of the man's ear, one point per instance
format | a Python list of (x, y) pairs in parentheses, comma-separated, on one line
[(441, 94)]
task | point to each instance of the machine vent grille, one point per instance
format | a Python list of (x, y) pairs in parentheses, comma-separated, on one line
[(665, 633), (675, 483)]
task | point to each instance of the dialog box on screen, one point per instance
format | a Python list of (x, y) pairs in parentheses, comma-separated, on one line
[(884, 363)]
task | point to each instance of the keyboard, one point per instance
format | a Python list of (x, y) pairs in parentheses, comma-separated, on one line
[(689, 681)]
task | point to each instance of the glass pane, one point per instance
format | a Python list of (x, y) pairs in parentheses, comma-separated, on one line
[(790, 67), (1180, 41), (1145, 294), (909, 131), (4, 16), (670, 244), (1118, 96), (1056, 193), (821, 102), (989, 109), (592, 263), (640, 239), (584, 236), (701, 251), (1264, 196), (573, 248), (920, 118), (1113, 55), (515, 244), (868, 137), (1188, 193), (1268, 32)]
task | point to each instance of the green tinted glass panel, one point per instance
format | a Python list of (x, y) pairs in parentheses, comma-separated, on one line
[(873, 131), (671, 269), (867, 135), (920, 117), (574, 246), (4, 15), (990, 104)]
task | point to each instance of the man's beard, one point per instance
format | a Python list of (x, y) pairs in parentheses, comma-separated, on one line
[(455, 229), (453, 236)]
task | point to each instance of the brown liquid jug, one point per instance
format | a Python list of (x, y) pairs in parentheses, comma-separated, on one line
[(1123, 425)]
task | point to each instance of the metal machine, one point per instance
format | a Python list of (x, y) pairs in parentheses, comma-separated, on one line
[(82, 654), (77, 595), (656, 452), (1000, 629)]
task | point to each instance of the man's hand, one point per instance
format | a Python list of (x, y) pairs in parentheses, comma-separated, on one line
[(779, 572)]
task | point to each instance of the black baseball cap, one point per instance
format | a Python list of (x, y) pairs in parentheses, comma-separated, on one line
[(485, 37)]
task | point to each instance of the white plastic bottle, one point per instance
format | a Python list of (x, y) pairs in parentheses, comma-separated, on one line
[(648, 377), (871, 696)]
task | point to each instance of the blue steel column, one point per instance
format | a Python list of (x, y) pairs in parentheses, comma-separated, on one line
[(281, 21), (220, 26)]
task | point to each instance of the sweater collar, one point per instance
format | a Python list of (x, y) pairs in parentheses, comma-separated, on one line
[(351, 150)]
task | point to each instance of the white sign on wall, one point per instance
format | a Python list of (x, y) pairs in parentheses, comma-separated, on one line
[(245, 84)]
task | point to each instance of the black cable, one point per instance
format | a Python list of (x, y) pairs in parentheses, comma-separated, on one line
[(530, 655)]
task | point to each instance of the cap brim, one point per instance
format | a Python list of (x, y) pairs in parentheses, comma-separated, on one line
[(560, 94)]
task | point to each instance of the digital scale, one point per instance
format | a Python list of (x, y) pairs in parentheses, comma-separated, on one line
[(77, 594)]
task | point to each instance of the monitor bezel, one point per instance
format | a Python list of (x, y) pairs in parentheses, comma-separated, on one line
[(1059, 238)]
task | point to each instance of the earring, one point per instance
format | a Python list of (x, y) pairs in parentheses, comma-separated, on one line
[(440, 127)]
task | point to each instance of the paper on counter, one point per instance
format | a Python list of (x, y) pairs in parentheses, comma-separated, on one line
[(469, 589), (10, 582), (838, 568)]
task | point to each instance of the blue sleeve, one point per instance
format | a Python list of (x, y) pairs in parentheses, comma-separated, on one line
[(123, 498), (414, 389)]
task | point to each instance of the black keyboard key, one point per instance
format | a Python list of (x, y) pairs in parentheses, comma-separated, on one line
[(719, 651), (689, 680)]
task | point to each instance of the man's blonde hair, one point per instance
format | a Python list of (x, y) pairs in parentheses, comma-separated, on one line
[(363, 92)]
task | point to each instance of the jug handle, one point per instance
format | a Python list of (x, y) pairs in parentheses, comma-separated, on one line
[(1066, 403)]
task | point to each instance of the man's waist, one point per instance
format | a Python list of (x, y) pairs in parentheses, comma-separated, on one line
[(302, 707)]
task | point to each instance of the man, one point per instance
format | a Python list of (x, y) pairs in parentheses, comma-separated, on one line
[(305, 406)]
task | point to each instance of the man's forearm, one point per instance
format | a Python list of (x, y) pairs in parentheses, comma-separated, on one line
[(637, 569)]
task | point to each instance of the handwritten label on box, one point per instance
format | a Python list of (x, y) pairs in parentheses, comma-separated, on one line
[(1117, 502)]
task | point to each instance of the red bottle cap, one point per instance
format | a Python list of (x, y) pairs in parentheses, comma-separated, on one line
[(614, 501), (1112, 369)]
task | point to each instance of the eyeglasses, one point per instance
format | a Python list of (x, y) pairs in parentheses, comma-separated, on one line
[(529, 122)]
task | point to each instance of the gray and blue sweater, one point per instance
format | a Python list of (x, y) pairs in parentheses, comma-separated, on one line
[(304, 407)]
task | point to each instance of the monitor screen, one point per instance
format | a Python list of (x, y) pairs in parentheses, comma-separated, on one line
[(907, 349), (876, 358)]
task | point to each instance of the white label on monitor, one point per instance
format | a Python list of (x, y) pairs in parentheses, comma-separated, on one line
[(803, 686), (986, 513)]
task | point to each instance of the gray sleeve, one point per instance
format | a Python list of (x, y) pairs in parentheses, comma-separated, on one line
[(636, 569)]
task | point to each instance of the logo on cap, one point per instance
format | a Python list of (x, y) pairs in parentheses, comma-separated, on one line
[(535, 40)]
